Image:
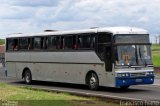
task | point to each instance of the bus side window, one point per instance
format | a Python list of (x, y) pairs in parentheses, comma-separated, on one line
[(54, 42), (79, 42), (30, 43), (15, 44), (51, 42), (58, 42), (15, 48), (44, 42), (74, 44), (10, 45), (103, 39), (62, 43), (37, 43), (84, 41), (68, 42), (23, 43), (92, 44), (48, 42)]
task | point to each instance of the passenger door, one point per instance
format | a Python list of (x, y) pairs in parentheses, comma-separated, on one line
[(108, 58), (108, 65)]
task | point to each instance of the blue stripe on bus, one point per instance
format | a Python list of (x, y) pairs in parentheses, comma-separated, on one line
[(133, 81)]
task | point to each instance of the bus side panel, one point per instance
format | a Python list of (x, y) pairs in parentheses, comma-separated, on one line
[(68, 67), (11, 69), (73, 73), (70, 73), (21, 66), (59, 67), (46, 71)]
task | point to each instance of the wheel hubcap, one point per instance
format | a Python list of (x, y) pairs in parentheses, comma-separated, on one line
[(27, 77), (92, 81)]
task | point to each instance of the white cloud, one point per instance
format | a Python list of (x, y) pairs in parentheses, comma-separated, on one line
[(36, 15), (143, 19), (31, 3)]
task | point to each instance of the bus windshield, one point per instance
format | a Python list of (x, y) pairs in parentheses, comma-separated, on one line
[(133, 55)]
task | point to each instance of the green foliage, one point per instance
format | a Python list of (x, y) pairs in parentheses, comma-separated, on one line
[(2, 41), (2, 85), (27, 96), (155, 47), (156, 55)]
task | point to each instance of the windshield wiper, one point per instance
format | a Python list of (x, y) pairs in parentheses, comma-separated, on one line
[(143, 60), (136, 56)]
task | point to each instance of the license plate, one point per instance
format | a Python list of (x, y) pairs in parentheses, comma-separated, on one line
[(138, 80)]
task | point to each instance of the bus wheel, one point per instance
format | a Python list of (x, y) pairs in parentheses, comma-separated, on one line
[(93, 81), (27, 77), (124, 87)]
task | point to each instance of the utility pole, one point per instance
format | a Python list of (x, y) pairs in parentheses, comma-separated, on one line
[(156, 38), (159, 39)]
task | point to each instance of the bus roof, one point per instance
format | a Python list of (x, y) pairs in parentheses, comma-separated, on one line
[(113, 30)]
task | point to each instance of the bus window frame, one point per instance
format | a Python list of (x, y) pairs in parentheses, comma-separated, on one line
[(103, 44), (58, 42), (13, 44), (72, 45), (36, 49), (7, 44), (87, 34), (26, 38)]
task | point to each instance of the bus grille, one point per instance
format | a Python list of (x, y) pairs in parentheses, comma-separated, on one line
[(138, 74)]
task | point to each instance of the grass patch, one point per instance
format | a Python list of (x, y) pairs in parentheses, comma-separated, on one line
[(155, 47), (156, 59), (3, 85), (156, 55), (26, 96), (2, 41)]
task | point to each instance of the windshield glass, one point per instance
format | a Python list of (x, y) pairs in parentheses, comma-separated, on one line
[(133, 55), (144, 55)]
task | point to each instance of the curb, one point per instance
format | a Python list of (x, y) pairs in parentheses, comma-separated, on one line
[(116, 99)]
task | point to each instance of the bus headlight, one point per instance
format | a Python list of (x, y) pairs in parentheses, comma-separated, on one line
[(127, 75), (123, 75), (149, 73), (119, 75)]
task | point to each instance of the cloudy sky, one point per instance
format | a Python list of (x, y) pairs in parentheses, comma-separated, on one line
[(27, 16)]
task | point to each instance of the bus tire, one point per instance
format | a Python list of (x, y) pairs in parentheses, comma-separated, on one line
[(93, 81), (27, 77), (124, 87)]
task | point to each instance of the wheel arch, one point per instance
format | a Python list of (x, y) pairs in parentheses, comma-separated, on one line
[(89, 72), (24, 70)]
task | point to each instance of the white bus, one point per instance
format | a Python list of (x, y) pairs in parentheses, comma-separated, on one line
[(112, 57)]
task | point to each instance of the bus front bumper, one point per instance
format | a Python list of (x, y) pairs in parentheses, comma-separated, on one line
[(119, 82)]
